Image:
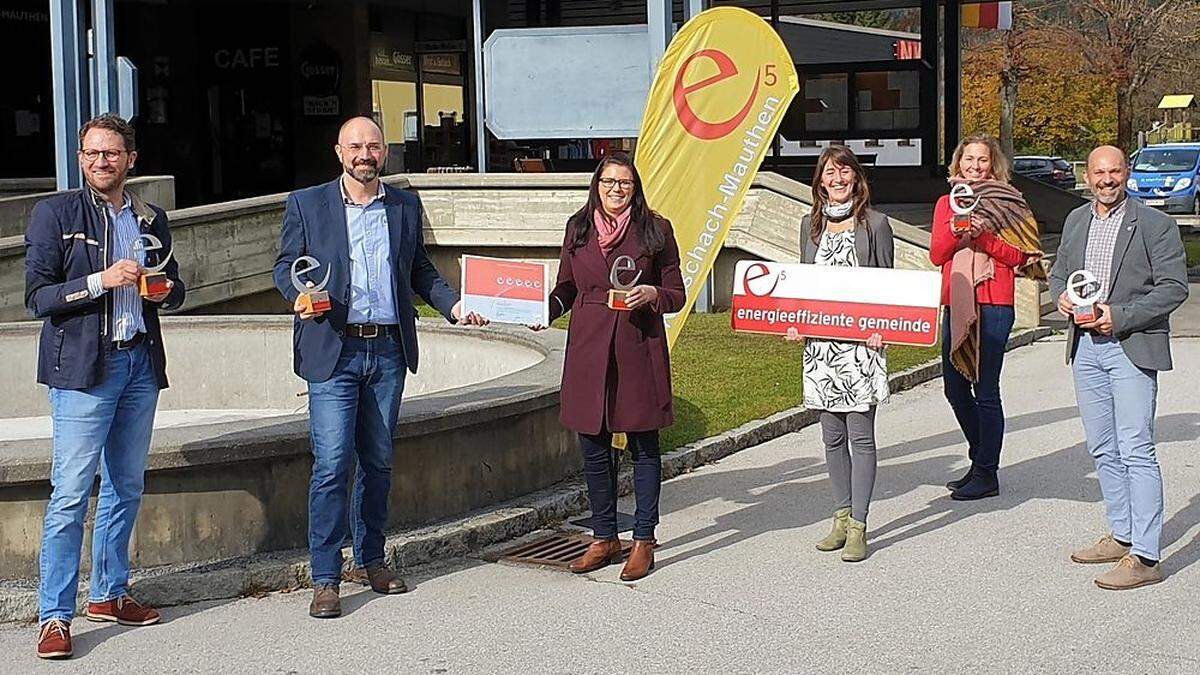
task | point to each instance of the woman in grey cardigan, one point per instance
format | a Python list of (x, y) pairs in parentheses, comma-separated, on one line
[(846, 380)]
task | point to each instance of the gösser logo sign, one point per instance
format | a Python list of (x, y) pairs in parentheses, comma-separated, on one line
[(726, 69)]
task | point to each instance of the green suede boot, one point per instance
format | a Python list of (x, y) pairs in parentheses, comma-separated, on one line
[(856, 541), (837, 536)]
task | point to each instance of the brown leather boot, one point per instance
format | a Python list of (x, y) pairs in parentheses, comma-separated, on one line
[(641, 561), (383, 580), (602, 552), (325, 603)]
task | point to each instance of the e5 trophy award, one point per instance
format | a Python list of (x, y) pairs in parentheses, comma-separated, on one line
[(1083, 290), (619, 290), (962, 201), (313, 299), (153, 281)]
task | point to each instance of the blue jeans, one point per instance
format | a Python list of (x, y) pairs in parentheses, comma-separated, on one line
[(353, 415), (106, 425), (1116, 403), (977, 406), (600, 474)]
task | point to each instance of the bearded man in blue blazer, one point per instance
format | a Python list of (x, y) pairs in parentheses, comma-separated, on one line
[(367, 238)]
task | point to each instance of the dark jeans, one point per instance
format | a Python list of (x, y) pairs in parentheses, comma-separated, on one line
[(353, 415), (977, 406), (600, 472)]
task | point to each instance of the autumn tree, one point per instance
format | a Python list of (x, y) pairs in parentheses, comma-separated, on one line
[(1128, 42), (1015, 55), (1059, 107)]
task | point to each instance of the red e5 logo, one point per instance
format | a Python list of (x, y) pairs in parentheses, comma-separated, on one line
[(704, 130)]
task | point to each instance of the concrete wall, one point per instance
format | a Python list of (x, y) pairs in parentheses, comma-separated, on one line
[(1050, 204), (226, 490), (245, 363), (15, 208), (15, 187)]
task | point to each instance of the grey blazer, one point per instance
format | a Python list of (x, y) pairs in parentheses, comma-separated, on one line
[(872, 241), (1149, 280)]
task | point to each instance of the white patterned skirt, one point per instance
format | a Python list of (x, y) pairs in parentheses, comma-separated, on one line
[(843, 376)]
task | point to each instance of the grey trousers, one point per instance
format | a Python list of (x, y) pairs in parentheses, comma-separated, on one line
[(850, 453)]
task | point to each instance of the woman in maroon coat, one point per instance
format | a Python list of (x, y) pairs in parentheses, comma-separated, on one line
[(617, 376)]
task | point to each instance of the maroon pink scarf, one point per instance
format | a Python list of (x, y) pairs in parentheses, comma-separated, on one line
[(611, 231)]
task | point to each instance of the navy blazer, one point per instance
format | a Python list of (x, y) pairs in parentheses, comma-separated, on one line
[(314, 224), (67, 240)]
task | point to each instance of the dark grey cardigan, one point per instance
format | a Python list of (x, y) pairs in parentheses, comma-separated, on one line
[(872, 240)]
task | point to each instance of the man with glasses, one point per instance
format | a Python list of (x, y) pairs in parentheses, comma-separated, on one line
[(367, 237), (101, 355)]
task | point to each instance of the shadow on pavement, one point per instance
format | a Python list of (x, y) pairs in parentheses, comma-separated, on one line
[(794, 493)]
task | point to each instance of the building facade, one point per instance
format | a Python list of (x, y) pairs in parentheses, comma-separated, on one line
[(238, 98)]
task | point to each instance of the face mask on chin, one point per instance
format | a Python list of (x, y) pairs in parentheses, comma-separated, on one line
[(837, 211)]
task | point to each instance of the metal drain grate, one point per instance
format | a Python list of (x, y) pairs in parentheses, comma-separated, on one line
[(556, 551)]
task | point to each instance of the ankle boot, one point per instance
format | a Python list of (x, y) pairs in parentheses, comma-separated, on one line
[(981, 486), (856, 541), (959, 482), (641, 561), (837, 536), (600, 553)]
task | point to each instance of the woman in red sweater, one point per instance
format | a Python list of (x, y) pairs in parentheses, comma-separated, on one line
[(978, 272)]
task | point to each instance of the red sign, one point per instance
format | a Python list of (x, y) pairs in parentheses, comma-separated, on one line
[(839, 303), (836, 320), (505, 279)]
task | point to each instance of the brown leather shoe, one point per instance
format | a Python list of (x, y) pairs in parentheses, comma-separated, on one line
[(123, 610), (383, 580), (54, 640), (1129, 573), (641, 561), (1106, 550), (325, 603), (356, 575), (602, 552)]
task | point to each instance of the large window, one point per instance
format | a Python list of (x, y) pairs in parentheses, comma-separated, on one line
[(419, 88), (395, 107)]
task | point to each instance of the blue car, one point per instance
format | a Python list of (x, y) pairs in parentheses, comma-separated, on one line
[(1165, 176)]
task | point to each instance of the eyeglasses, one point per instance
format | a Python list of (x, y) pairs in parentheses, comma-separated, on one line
[(608, 183), (110, 155)]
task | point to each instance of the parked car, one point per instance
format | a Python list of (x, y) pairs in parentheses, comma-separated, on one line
[(1054, 171), (1164, 176)]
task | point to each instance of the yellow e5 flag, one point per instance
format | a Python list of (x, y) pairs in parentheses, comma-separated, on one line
[(720, 93)]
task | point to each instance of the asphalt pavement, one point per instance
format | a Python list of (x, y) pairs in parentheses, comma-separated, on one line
[(739, 588)]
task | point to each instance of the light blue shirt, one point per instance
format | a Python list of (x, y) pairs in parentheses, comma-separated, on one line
[(126, 301), (372, 296)]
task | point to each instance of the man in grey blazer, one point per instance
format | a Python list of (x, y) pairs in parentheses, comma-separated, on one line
[(1138, 260)]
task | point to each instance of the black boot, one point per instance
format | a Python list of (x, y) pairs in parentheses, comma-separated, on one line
[(959, 482), (980, 486)]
